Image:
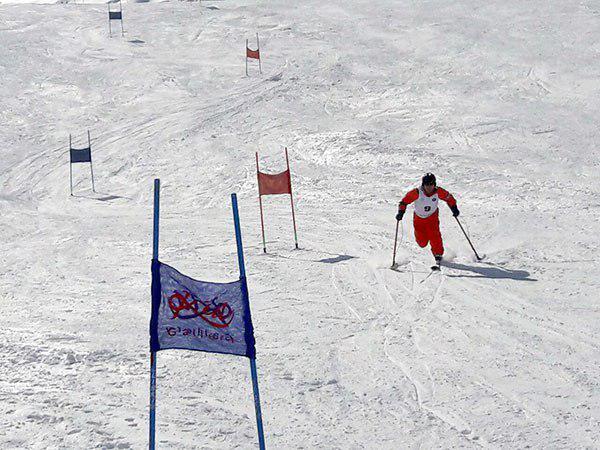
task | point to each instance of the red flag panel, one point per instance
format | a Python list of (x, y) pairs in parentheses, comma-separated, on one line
[(279, 183), (255, 54)]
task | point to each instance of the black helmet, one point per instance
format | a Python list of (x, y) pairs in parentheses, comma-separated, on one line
[(428, 178)]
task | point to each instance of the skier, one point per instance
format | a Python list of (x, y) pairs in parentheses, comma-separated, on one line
[(426, 217)]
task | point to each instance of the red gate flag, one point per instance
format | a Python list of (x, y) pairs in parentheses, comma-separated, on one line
[(254, 54), (272, 184)]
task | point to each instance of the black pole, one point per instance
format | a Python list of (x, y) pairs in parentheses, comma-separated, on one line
[(92, 171), (479, 258), (258, 48), (91, 164), (70, 164), (395, 244)]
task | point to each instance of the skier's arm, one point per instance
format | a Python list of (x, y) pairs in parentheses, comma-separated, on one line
[(412, 196), (407, 200), (443, 194)]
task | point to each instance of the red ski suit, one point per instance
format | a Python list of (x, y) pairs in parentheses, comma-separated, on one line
[(426, 218)]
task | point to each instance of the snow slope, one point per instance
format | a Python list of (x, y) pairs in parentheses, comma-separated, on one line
[(499, 99)]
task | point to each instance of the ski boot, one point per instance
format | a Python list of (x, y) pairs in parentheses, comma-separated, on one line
[(438, 262)]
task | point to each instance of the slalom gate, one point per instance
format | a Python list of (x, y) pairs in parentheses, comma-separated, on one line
[(253, 54), (80, 155), (115, 15), (274, 184)]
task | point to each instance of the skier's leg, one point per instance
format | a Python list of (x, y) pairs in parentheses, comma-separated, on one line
[(421, 235), (437, 244)]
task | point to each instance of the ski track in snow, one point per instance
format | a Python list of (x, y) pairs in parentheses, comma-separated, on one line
[(367, 96)]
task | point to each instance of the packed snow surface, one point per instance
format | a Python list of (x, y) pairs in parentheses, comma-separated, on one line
[(499, 99)]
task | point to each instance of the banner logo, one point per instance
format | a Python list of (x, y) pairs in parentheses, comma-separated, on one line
[(217, 314)]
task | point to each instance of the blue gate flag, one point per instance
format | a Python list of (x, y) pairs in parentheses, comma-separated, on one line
[(81, 155), (189, 314)]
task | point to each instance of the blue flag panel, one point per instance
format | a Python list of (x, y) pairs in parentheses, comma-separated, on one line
[(81, 155), (190, 314)]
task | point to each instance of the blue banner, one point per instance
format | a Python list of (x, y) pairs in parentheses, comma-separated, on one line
[(197, 315)]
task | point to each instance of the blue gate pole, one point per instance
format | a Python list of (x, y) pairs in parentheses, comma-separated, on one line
[(153, 354), (240, 252)]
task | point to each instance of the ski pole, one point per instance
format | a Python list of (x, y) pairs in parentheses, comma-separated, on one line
[(395, 243), (469, 240)]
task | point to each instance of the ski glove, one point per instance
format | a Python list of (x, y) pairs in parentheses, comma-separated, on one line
[(455, 211), (399, 215)]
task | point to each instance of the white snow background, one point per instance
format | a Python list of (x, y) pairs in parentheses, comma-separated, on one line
[(499, 99)]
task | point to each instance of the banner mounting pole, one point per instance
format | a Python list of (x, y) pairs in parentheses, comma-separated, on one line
[(253, 372), (152, 429)]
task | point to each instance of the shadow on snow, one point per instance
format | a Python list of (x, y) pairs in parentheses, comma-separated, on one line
[(333, 259), (490, 270), (103, 198)]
